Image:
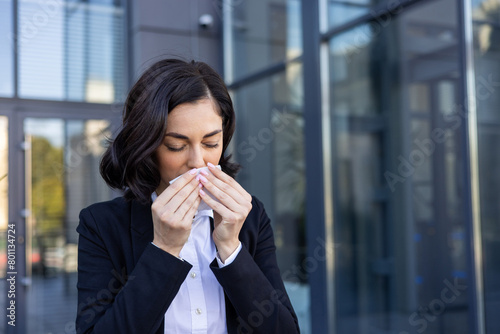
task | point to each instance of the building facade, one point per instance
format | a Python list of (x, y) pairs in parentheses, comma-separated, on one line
[(367, 127)]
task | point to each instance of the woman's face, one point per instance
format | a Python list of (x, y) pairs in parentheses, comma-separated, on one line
[(193, 138)]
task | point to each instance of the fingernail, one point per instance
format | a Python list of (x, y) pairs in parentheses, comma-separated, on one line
[(202, 193), (202, 178), (200, 185), (204, 172), (192, 171), (210, 165), (197, 177)]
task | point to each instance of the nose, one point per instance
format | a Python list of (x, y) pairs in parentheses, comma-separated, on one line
[(196, 159)]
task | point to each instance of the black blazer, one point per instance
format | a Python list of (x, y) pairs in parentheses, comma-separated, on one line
[(125, 284)]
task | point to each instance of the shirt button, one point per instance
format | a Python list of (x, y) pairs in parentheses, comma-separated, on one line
[(193, 275), (198, 311)]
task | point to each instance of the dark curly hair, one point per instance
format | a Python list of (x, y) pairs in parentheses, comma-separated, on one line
[(129, 163)]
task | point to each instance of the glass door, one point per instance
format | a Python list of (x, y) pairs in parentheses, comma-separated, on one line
[(399, 162), (61, 159)]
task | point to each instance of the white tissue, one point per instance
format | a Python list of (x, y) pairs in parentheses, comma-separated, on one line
[(203, 205)]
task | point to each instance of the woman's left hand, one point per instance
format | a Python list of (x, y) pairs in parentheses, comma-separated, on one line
[(230, 213)]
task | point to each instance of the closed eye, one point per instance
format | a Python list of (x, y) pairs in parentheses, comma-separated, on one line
[(175, 149), (212, 145)]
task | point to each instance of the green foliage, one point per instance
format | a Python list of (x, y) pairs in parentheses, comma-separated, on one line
[(47, 177)]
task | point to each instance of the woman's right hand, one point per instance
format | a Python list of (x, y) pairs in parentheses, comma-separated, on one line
[(173, 212)]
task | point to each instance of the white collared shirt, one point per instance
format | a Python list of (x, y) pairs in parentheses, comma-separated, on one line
[(199, 306)]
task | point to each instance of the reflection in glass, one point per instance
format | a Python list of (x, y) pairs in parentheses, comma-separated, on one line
[(70, 51), (6, 51), (264, 33), (341, 11), (63, 177), (398, 183), (270, 147), (94, 53), (486, 19)]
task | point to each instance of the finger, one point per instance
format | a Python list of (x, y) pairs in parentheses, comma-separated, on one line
[(226, 195), (223, 189), (229, 180), (192, 210), (176, 200), (220, 208), (185, 207), (176, 186)]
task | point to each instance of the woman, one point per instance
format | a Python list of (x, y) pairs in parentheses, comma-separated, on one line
[(150, 261)]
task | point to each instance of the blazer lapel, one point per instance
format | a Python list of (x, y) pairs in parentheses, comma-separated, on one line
[(141, 226)]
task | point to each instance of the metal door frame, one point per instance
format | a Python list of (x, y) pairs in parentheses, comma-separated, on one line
[(17, 111)]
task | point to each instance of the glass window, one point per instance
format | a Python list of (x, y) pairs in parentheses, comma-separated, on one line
[(70, 51), (341, 11), (7, 49), (62, 163), (264, 33), (486, 23), (398, 159), (270, 147)]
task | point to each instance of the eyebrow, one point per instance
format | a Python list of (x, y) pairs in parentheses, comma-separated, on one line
[(179, 136)]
